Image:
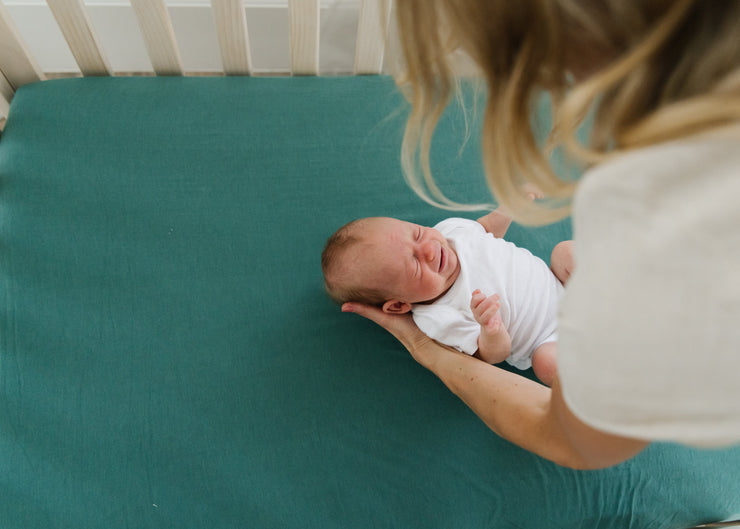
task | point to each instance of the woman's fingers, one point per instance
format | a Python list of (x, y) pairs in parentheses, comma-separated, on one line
[(401, 326), (370, 312)]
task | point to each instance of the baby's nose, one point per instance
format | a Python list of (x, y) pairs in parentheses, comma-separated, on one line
[(429, 250)]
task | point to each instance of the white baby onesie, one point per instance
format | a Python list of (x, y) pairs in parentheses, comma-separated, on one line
[(528, 290)]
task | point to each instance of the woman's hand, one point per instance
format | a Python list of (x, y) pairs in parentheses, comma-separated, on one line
[(516, 408), (402, 326)]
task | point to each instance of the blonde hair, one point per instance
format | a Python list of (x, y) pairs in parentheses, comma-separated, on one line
[(648, 71)]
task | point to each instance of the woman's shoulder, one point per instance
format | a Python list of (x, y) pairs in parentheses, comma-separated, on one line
[(648, 323), (670, 167)]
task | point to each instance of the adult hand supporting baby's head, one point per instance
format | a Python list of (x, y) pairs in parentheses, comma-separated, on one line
[(403, 327)]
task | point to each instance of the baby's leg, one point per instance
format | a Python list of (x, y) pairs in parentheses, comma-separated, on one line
[(561, 261), (544, 362)]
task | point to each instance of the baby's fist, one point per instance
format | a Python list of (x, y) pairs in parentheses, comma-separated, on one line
[(485, 310)]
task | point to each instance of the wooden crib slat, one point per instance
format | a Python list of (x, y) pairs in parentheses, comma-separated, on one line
[(371, 32), (304, 37), (233, 38), (159, 36), (73, 20), (16, 62), (6, 94)]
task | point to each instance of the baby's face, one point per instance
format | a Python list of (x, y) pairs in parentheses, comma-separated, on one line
[(414, 263)]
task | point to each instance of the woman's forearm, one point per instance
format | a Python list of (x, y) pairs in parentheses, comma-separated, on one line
[(526, 413), (514, 407)]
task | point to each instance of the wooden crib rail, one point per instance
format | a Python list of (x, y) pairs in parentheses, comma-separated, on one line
[(233, 39), (372, 28), (16, 63), (159, 37), (19, 67), (71, 16), (304, 37)]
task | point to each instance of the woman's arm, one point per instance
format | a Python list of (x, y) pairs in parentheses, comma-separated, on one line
[(522, 411)]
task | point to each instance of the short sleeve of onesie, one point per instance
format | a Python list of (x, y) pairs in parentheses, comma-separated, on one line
[(447, 326)]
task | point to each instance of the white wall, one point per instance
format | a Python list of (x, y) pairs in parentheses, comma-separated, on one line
[(115, 23)]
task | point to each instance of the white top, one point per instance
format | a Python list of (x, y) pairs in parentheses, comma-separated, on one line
[(649, 325), (528, 290)]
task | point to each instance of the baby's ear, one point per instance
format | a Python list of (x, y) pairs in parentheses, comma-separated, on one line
[(394, 306)]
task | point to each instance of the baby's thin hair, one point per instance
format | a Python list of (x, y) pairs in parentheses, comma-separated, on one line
[(337, 279)]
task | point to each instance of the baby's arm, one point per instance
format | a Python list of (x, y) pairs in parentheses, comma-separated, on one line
[(497, 222), (494, 342)]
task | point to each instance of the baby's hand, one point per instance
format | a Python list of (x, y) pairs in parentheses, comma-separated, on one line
[(531, 191), (485, 311)]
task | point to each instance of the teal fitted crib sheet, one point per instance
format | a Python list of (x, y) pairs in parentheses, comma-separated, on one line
[(168, 357)]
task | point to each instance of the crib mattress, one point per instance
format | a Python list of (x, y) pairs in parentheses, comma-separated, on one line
[(168, 357)]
